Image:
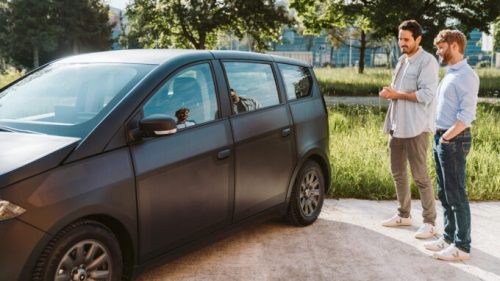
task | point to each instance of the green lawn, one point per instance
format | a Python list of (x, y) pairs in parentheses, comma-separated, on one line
[(347, 81), (360, 163)]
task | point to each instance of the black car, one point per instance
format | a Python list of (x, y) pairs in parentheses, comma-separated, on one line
[(111, 161)]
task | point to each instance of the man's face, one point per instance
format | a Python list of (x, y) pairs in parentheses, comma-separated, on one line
[(183, 115), (444, 52), (407, 43), (234, 97)]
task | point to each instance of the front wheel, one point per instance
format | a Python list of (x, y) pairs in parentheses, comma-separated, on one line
[(84, 250), (307, 195)]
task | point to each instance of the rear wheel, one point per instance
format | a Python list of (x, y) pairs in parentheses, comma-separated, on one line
[(84, 250), (307, 195)]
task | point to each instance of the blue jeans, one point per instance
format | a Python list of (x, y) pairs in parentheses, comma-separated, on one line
[(450, 159)]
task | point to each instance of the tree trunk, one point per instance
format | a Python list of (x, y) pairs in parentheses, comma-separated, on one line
[(388, 55), (75, 47), (201, 43), (36, 60), (362, 48)]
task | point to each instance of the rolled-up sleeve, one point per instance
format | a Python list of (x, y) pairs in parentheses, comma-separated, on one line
[(467, 99), (427, 80)]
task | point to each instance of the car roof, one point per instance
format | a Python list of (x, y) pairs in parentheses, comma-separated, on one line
[(160, 56)]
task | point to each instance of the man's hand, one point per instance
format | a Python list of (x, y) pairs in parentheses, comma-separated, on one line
[(391, 94), (388, 93)]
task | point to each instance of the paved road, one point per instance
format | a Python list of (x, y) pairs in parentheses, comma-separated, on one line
[(331, 100), (346, 243)]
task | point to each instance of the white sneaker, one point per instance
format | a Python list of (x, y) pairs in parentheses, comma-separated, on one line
[(397, 221), (452, 253), (427, 230), (437, 245)]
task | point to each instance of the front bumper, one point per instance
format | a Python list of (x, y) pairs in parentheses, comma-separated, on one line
[(18, 241)]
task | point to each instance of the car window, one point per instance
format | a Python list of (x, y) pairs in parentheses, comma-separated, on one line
[(188, 97), (252, 85), (67, 99), (297, 80)]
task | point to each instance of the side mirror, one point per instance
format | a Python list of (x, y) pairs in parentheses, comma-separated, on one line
[(157, 125)]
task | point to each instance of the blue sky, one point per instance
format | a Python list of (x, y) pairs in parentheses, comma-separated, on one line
[(120, 4)]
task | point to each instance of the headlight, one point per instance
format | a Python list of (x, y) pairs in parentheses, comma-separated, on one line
[(9, 210)]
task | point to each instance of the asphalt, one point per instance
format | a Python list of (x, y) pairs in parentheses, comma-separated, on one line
[(347, 242)]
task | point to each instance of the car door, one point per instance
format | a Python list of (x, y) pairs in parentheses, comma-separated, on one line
[(184, 180), (262, 131)]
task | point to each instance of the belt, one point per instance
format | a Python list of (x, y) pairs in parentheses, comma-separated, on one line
[(442, 131)]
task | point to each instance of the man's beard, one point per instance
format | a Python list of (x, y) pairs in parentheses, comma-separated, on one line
[(408, 50), (446, 57)]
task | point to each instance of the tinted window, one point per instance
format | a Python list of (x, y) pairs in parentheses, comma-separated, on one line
[(297, 80), (188, 97), (253, 84)]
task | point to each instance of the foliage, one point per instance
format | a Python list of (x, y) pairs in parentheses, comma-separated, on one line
[(346, 81), (196, 23), (34, 32), (85, 26), (435, 15), (360, 162), (381, 18), (30, 31)]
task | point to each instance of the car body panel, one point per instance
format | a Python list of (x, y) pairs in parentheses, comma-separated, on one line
[(261, 181), (34, 153), (177, 174), (164, 192)]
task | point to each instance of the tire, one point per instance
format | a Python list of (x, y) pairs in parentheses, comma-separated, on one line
[(85, 250), (307, 195)]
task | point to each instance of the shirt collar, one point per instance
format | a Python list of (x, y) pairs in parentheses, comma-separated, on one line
[(457, 65), (417, 54)]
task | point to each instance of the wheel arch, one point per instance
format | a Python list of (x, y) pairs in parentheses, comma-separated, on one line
[(118, 228), (124, 240), (318, 156)]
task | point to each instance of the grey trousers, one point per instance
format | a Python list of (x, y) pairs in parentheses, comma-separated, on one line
[(413, 151)]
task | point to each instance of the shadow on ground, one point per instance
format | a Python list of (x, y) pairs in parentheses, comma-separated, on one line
[(327, 250)]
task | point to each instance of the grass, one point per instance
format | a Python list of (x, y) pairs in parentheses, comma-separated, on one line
[(360, 162), (8, 77), (347, 81)]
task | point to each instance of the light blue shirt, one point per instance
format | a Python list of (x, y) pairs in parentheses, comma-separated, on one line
[(419, 73), (457, 96)]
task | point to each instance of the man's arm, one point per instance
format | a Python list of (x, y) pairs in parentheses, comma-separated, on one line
[(426, 85), (453, 131), (390, 93)]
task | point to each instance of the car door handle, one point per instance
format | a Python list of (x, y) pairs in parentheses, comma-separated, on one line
[(285, 132), (224, 154)]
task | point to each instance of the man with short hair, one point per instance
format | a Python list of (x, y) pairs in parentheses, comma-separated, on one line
[(456, 109), (409, 120), (243, 104)]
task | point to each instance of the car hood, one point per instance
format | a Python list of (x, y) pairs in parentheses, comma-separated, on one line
[(23, 155)]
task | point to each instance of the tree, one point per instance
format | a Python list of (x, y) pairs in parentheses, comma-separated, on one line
[(30, 31), (496, 35), (435, 15), (34, 31), (196, 23), (4, 12), (380, 18), (84, 25), (343, 21)]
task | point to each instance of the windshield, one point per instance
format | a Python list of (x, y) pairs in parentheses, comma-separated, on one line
[(67, 99)]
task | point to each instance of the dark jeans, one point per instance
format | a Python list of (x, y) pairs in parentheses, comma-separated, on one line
[(450, 161)]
